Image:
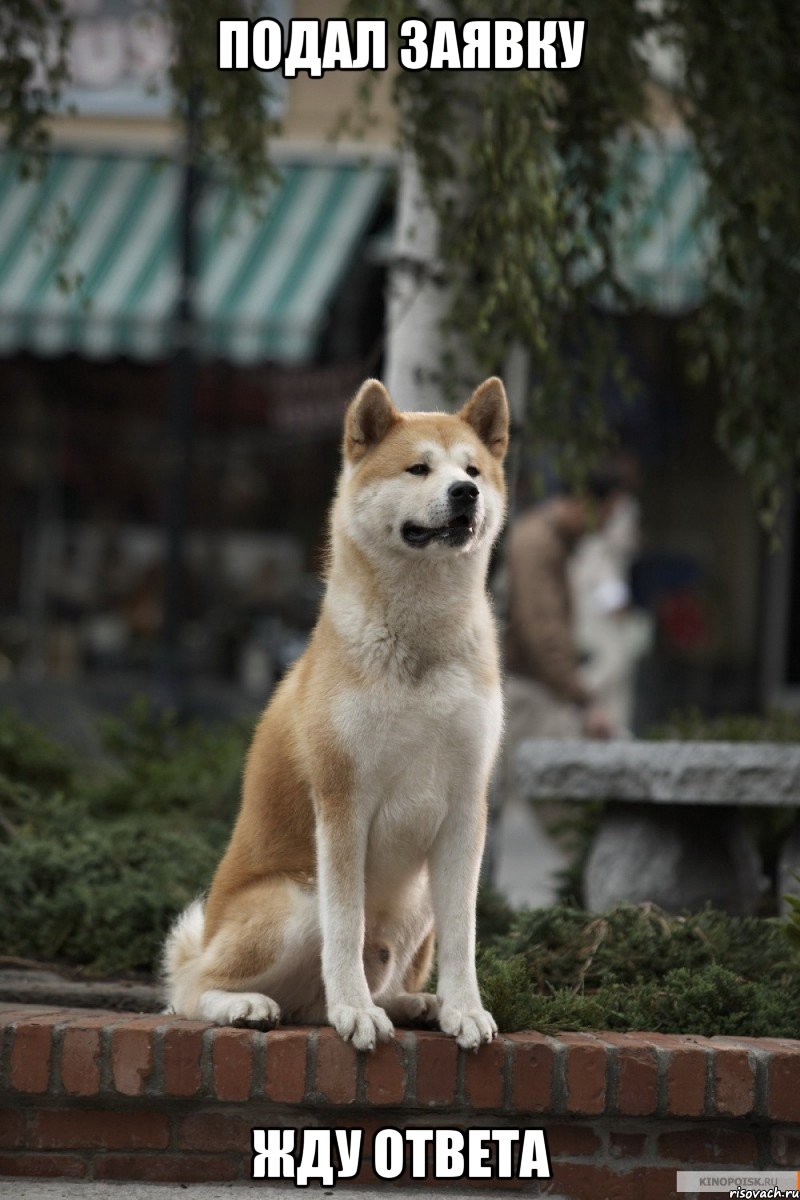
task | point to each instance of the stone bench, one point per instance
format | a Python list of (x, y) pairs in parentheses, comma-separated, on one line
[(672, 832)]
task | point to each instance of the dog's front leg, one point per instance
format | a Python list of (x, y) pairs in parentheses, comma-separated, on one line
[(341, 857), (454, 866)]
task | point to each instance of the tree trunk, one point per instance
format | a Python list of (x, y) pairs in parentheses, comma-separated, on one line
[(417, 300)]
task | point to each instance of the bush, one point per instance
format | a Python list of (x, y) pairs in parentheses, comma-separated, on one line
[(30, 756), (96, 860), (691, 725), (161, 766), (95, 863), (637, 968)]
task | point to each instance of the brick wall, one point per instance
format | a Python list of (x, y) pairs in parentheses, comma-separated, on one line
[(102, 1095)]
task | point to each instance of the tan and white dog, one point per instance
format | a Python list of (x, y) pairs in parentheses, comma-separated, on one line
[(364, 801)]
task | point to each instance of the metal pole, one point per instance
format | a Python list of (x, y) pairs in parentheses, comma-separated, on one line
[(182, 381)]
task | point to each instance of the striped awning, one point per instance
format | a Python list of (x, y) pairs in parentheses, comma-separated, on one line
[(89, 257), (663, 246)]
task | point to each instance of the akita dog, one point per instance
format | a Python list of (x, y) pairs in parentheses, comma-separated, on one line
[(363, 814)]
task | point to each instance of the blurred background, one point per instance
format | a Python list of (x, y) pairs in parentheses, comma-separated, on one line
[(199, 267), (175, 359)]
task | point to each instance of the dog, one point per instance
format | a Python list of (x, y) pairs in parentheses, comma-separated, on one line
[(363, 812)]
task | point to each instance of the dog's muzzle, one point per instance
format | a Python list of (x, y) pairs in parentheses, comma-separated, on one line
[(462, 498)]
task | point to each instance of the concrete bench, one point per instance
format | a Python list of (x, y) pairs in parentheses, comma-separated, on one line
[(672, 832)]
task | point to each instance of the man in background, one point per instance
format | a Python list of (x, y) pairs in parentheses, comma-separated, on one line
[(546, 695)]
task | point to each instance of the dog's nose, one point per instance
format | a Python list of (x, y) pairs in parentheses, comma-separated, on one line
[(462, 494)]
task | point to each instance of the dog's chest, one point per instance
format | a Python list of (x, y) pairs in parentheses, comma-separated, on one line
[(393, 731), (415, 750)]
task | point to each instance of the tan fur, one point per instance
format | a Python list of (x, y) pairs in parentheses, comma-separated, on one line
[(304, 772), (417, 974)]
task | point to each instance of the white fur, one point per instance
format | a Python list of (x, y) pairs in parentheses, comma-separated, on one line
[(423, 747)]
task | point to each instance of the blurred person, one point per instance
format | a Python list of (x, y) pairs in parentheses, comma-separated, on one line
[(611, 634), (547, 695)]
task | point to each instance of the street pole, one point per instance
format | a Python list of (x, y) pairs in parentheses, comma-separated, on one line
[(182, 383)]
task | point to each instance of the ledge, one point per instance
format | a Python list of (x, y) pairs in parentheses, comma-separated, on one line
[(94, 1094)]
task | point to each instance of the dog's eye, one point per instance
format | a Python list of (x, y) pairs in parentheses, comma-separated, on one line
[(419, 469), (472, 471)]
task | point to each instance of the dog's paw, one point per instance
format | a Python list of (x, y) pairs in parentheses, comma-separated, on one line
[(361, 1026), (250, 1009), (413, 1006), (469, 1026)]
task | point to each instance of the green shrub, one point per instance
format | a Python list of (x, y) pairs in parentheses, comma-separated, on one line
[(637, 968), (160, 765), (30, 756), (567, 947), (100, 894), (95, 863), (96, 860), (692, 725)]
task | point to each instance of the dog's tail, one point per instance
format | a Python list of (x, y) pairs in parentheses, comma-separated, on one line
[(182, 950)]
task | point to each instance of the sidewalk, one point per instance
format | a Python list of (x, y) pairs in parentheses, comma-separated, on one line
[(58, 1189), (527, 857)]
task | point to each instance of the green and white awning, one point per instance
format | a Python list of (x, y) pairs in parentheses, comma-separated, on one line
[(662, 244), (88, 257), (88, 252)]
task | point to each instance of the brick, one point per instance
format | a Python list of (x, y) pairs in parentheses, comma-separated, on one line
[(10, 1012), (218, 1132), (285, 1079), (78, 1129), (658, 1183), (532, 1061), (687, 1071), (32, 1052), (785, 1148), (232, 1063), (484, 1082), (437, 1063), (572, 1141), (166, 1168), (12, 1128), (182, 1052), (80, 1061), (369, 1126), (709, 1146), (626, 1145), (586, 1181), (734, 1083), (480, 1186), (637, 1074), (132, 1058), (784, 1085), (770, 1044), (385, 1073), (750, 1043), (337, 1069), (585, 1075), (42, 1166), (365, 1176)]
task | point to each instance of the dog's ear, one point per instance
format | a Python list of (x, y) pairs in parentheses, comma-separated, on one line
[(487, 412), (369, 418)]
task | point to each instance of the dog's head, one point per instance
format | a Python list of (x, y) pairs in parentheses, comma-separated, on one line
[(424, 484)]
